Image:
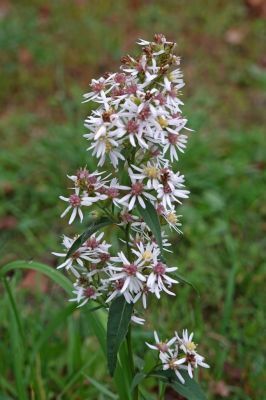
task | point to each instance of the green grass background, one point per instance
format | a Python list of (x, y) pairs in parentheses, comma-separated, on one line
[(49, 51)]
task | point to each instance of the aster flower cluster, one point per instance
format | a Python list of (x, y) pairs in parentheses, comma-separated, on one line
[(179, 353), (135, 135)]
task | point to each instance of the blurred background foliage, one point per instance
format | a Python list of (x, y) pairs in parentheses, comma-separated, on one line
[(49, 51)]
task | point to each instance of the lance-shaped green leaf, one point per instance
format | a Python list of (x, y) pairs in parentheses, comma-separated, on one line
[(191, 390), (138, 378), (184, 280), (117, 326), (52, 273), (100, 223), (150, 216)]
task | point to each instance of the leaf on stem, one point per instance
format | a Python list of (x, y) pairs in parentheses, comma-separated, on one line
[(191, 390), (150, 216), (102, 222), (117, 326), (184, 280), (137, 379), (52, 273)]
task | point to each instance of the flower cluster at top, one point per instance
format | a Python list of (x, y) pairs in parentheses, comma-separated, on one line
[(135, 135), (178, 353)]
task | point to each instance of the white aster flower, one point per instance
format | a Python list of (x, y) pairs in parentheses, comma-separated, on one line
[(130, 272), (170, 361), (112, 191), (146, 252), (84, 291), (106, 145), (192, 358), (175, 141), (161, 346), (115, 286), (78, 256), (171, 189), (138, 192), (172, 219), (158, 279), (151, 172), (75, 202)]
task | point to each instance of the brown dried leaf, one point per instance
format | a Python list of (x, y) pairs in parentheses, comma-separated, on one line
[(220, 388), (44, 13), (257, 8), (25, 56), (235, 36), (4, 8), (234, 374), (8, 222), (33, 282)]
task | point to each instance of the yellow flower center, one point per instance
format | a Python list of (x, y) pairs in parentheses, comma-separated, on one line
[(108, 145), (191, 346), (172, 364), (147, 255), (151, 172), (172, 218), (162, 121)]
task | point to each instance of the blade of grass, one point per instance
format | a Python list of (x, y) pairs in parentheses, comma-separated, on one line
[(229, 300), (73, 345), (74, 377), (14, 309), (102, 389), (96, 320), (52, 273), (40, 386), (17, 348), (57, 320), (7, 386)]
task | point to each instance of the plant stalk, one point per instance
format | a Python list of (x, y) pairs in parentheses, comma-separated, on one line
[(135, 393)]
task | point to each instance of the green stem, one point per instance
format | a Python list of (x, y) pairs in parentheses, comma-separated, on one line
[(135, 393), (127, 229), (131, 362), (162, 387)]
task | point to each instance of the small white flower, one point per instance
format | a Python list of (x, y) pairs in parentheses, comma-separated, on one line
[(114, 288), (172, 219), (129, 273), (84, 290), (175, 142), (170, 361), (146, 253), (112, 191), (75, 201), (185, 342), (160, 346), (78, 256), (192, 358), (138, 193), (158, 279), (151, 172), (171, 189)]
